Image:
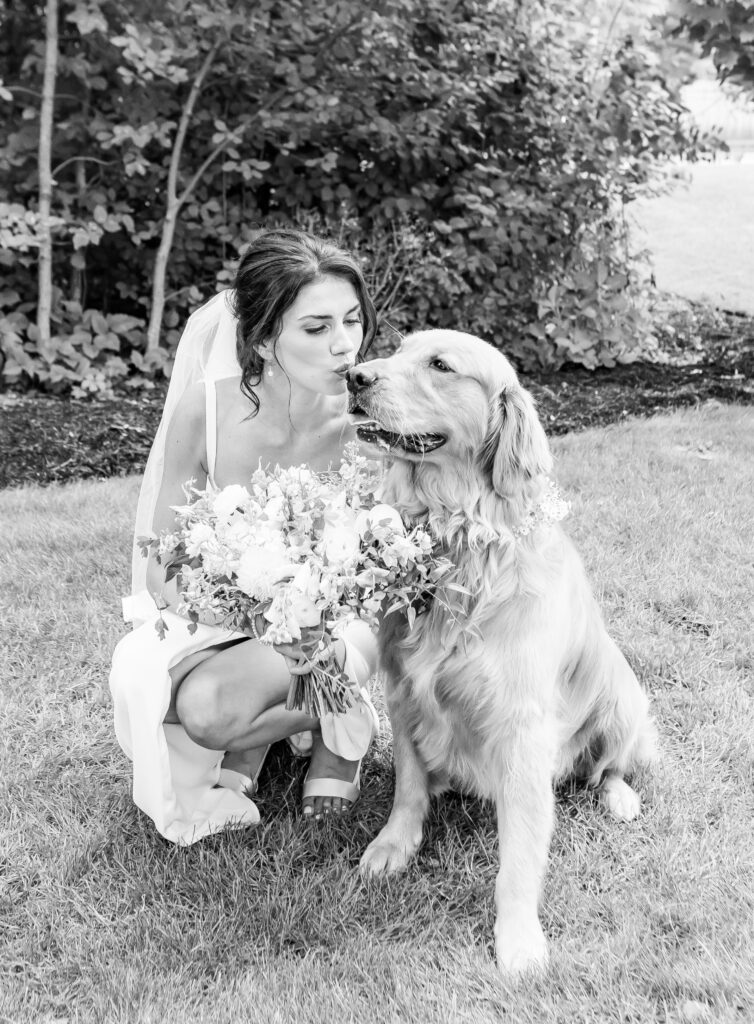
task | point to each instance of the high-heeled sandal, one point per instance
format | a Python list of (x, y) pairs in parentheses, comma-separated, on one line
[(336, 788), (244, 785), (348, 734)]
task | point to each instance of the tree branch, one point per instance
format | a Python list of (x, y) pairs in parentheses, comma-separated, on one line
[(88, 159), (188, 110), (197, 175), (38, 95)]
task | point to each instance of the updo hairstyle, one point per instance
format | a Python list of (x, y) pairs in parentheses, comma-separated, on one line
[(271, 273)]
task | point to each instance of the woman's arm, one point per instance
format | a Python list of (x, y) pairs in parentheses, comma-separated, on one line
[(185, 459)]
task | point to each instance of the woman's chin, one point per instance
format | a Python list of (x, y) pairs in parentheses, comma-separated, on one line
[(336, 386)]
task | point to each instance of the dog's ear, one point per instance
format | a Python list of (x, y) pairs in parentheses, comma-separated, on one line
[(515, 449)]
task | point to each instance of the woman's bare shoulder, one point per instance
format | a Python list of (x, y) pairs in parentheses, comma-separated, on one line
[(229, 389)]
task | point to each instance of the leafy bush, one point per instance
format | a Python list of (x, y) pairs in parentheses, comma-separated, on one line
[(724, 30), (478, 157), (88, 353)]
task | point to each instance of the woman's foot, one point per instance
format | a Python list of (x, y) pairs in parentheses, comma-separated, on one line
[(326, 765), (247, 764)]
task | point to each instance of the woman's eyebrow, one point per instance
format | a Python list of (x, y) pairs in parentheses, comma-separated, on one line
[(327, 316)]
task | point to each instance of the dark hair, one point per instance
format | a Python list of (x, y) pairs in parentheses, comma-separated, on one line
[(272, 272)]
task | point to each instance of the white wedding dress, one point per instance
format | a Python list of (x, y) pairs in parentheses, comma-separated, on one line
[(175, 781)]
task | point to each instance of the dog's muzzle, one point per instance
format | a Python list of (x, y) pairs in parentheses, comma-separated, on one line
[(361, 380), (417, 444)]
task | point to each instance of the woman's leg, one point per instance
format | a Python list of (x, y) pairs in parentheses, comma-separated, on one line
[(234, 700), (179, 672)]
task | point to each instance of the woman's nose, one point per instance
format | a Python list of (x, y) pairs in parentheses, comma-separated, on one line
[(342, 341)]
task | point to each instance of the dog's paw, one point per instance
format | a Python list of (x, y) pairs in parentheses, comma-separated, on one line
[(520, 947), (620, 800), (385, 856)]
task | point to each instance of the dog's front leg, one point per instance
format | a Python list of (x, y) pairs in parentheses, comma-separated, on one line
[(399, 839), (525, 812)]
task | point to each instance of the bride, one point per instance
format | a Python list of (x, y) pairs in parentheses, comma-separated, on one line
[(259, 376)]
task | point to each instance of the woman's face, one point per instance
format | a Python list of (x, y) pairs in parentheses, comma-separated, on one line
[(320, 336)]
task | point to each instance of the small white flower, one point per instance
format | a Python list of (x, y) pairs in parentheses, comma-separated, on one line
[(371, 606), (340, 544), (371, 576), (303, 609), (289, 612), (217, 561), (275, 511), (378, 517), (199, 535), (226, 501), (237, 535), (306, 580), (404, 549)]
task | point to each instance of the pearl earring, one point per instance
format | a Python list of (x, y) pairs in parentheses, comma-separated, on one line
[(269, 371)]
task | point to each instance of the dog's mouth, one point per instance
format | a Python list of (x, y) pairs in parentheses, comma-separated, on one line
[(372, 432)]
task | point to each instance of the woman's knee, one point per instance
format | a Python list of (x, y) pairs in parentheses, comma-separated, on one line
[(201, 707)]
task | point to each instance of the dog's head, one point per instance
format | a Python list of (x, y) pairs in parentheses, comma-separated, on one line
[(448, 402)]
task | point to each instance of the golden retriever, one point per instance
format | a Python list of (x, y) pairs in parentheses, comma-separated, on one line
[(515, 683)]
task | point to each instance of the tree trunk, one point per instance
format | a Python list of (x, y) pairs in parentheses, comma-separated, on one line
[(44, 300), (175, 202), (159, 276), (78, 270)]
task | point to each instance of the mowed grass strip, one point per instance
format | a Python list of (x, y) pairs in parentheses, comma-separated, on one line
[(101, 920)]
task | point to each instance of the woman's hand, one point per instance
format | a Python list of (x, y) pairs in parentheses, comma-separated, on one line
[(301, 662)]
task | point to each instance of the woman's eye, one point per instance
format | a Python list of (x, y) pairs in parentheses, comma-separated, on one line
[(316, 330), (438, 364), (353, 322)]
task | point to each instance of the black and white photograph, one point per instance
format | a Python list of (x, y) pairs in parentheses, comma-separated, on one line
[(377, 511)]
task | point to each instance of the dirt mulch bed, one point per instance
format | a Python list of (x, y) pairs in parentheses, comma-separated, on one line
[(46, 439)]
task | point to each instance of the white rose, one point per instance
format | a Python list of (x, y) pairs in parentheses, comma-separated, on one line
[(226, 501), (260, 569)]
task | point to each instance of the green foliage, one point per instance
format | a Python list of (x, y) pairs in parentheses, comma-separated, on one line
[(478, 156), (88, 352), (724, 30)]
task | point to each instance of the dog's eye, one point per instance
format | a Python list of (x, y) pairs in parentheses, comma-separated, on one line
[(438, 364)]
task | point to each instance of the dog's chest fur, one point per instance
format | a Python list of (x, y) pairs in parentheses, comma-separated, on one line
[(452, 687)]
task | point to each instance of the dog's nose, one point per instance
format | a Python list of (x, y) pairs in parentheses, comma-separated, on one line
[(360, 377)]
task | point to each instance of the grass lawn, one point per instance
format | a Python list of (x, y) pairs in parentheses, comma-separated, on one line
[(101, 920)]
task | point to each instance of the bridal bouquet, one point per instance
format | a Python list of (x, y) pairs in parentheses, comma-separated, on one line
[(295, 556)]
